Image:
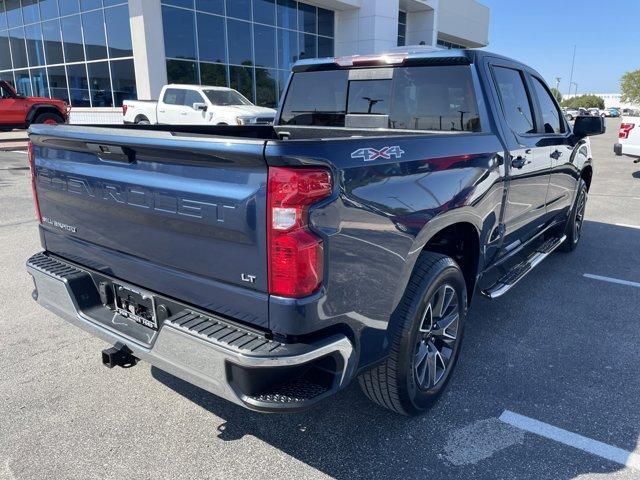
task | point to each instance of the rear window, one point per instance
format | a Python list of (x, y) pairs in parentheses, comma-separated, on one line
[(440, 98)]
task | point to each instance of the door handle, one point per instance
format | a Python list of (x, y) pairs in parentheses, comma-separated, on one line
[(519, 162), (556, 155)]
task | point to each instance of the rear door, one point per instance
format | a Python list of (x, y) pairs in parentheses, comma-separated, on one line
[(555, 136), (12, 109), (530, 164), (170, 106)]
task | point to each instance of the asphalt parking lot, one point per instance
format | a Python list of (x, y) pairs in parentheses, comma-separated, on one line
[(562, 348)]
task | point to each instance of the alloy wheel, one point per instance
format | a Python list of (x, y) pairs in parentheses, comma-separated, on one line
[(437, 338)]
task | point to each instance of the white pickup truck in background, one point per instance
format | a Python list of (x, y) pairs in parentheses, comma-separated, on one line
[(629, 138), (197, 105)]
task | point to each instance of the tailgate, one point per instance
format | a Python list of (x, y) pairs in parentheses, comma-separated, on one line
[(178, 214)]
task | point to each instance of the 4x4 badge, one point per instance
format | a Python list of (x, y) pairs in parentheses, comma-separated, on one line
[(371, 154)]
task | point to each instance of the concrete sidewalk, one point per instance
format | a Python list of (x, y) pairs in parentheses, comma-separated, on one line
[(14, 140)]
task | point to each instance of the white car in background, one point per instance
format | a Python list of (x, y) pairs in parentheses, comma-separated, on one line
[(197, 105), (629, 138)]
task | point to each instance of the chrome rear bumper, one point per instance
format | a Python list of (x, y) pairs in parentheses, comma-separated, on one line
[(224, 358)]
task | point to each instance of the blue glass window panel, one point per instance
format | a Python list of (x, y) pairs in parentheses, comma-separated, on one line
[(307, 18), (239, 34), (239, 9), (14, 13), (265, 46), (211, 6), (123, 78), (5, 53), (179, 33), (288, 52), (35, 47), (30, 11), (18, 48), (3, 16), (72, 38), (241, 79), (23, 83), (108, 3), (267, 87), (69, 7), (52, 42), (264, 11), (308, 47), (179, 71), (49, 9), (325, 22), (211, 38), (100, 84), (180, 3), (325, 47), (78, 85), (287, 14), (39, 82), (95, 43), (58, 83), (118, 31), (213, 74), (86, 5)]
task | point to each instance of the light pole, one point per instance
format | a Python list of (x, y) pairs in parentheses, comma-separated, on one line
[(573, 62)]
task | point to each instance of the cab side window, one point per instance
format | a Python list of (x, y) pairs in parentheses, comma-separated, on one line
[(191, 97), (516, 103), (550, 114), (174, 96)]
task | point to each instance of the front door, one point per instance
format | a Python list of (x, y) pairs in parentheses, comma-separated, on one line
[(528, 162), (12, 108)]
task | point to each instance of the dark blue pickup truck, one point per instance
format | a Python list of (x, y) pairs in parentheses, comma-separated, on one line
[(272, 265)]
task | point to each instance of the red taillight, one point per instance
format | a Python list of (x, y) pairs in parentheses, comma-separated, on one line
[(32, 167), (625, 130), (124, 109), (295, 253)]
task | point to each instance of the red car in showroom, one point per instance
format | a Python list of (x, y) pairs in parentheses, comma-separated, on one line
[(18, 111)]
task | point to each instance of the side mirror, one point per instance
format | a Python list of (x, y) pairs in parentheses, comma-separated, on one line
[(201, 107), (587, 126)]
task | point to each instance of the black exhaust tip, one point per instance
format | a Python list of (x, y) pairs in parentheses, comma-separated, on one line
[(118, 356)]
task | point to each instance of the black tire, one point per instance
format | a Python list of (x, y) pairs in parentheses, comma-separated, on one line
[(48, 117), (573, 228), (142, 120), (395, 384), (570, 117)]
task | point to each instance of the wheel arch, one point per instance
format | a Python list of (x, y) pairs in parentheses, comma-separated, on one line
[(40, 108), (587, 175), (458, 235)]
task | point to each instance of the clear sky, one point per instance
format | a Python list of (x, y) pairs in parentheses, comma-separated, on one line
[(542, 33)]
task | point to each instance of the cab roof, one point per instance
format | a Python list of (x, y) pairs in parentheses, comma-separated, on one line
[(399, 56)]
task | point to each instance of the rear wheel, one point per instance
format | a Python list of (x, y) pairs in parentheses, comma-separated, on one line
[(142, 120), (425, 341), (49, 118), (573, 229)]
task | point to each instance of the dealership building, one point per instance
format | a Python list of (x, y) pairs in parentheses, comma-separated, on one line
[(97, 53)]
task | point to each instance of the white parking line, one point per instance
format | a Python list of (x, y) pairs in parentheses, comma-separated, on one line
[(611, 280), (627, 225), (615, 454)]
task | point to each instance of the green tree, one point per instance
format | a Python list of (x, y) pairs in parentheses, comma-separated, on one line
[(584, 101), (630, 87), (556, 93)]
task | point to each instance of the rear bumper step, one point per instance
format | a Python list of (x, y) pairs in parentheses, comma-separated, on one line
[(233, 362), (519, 271)]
